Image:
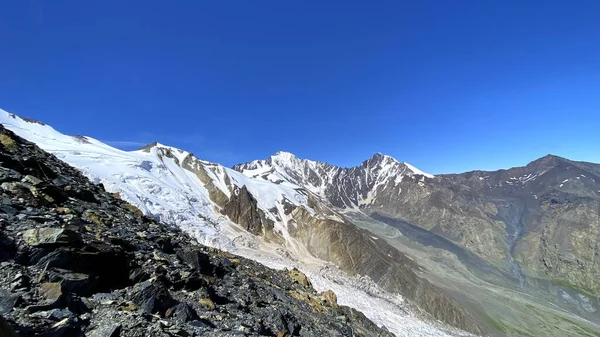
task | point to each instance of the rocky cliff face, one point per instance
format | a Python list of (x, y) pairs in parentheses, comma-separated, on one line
[(543, 215), (356, 252), (243, 209), (75, 261)]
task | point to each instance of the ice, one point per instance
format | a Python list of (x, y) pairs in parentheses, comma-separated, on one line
[(155, 181)]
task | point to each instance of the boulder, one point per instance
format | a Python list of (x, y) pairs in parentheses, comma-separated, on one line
[(329, 298), (300, 278), (31, 180), (152, 297), (182, 312), (196, 260), (77, 283), (7, 301), (51, 291), (40, 237), (81, 194)]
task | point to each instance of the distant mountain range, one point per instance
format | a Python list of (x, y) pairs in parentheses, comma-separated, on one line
[(509, 252)]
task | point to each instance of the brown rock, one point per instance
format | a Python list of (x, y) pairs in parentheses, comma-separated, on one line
[(329, 298), (207, 303), (300, 277), (134, 209), (51, 291), (242, 208)]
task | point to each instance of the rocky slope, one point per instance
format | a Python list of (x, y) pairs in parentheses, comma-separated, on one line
[(265, 220), (544, 216), (551, 209), (76, 260)]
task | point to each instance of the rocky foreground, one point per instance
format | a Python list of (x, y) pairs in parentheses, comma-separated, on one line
[(77, 261)]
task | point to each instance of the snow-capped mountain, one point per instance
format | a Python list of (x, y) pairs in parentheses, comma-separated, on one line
[(277, 222), (540, 221), (342, 187)]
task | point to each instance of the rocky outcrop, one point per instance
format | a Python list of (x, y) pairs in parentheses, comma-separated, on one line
[(192, 164), (87, 265), (243, 209)]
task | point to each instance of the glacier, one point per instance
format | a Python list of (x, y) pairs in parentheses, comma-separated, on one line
[(154, 180)]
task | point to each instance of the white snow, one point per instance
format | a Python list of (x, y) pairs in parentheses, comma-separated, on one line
[(154, 181), (317, 177), (417, 171)]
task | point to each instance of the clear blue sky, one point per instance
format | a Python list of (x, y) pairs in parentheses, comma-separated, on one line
[(447, 86)]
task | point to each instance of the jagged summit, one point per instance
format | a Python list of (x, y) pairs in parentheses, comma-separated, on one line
[(378, 156), (343, 187)]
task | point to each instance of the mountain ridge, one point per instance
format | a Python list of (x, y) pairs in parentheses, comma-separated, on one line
[(77, 261), (539, 223), (525, 228), (182, 190)]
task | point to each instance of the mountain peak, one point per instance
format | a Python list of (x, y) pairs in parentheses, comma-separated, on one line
[(380, 157), (284, 157), (162, 149), (548, 161), (146, 148), (284, 154), (385, 160)]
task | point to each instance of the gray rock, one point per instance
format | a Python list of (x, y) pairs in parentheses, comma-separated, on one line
[(7, 301), (48, 236), (14, 187), (183, 312), (196, 260), (31, 180), (104, 298), (152, 297), (110, 330)]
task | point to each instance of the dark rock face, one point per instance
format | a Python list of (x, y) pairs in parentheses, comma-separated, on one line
[(152, 297), (242, 208), (7, 301), (85, 264)]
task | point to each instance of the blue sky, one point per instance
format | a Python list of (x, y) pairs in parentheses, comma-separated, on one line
[(447, 86)]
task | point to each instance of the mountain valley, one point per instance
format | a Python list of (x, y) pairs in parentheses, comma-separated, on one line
[(506, 253)]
